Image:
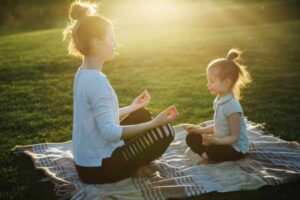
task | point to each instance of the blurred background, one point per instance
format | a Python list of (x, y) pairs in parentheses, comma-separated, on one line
[(35, 14)]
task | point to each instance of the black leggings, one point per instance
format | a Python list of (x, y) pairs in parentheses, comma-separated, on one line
[(136, 152), (214, 152)]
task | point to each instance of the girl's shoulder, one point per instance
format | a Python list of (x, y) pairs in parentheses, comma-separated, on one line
[(234, 101), (232, 106)]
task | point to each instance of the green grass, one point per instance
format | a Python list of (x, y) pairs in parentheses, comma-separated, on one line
[(36, 77)]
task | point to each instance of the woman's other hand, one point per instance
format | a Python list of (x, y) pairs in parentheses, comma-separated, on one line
[(141, 101)]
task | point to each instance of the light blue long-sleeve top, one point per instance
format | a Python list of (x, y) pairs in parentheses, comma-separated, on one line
[(96, 128)]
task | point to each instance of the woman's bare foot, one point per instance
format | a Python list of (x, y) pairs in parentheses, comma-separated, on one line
[(144, 171)]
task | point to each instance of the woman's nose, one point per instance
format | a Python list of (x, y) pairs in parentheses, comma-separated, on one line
[(115, 44)]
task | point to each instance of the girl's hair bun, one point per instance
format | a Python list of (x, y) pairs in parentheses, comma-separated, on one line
[(233, 54), (79, 10)]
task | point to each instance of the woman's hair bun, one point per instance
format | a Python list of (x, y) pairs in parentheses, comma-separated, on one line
[(233, 54), (79, 10)]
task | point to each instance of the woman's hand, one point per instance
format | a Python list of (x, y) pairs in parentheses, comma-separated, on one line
[(208, 139), (166, 116), (140, 101), (162, 118)]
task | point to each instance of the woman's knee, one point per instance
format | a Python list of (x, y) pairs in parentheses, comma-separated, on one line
[(166, 133), (139, 116), (161, 137), (157, 139), (144, 111), (143, 114)]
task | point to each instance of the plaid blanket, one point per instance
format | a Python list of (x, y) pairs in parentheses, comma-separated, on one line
[(177, 174)]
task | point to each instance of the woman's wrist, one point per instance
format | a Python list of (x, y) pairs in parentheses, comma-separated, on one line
[(125, 111), (131, 108), (152, 124)]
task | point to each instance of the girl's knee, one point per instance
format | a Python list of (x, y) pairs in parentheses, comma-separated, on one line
[(189, 139), (193, 140), (221, 153)]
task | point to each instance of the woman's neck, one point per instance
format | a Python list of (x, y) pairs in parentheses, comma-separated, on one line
[(92, 62)]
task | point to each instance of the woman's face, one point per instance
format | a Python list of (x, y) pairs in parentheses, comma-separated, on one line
[(105, 48)]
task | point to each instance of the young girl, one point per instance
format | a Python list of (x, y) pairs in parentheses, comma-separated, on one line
[(227, 138)]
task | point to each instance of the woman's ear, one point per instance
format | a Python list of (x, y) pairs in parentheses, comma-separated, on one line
[(96, 43)]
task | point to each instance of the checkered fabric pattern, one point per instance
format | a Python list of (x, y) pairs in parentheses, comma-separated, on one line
[(177, 173)]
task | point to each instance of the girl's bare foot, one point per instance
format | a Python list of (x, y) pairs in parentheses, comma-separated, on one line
[(204, 159)]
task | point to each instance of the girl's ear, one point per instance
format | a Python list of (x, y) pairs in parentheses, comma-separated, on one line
[(227, 82)]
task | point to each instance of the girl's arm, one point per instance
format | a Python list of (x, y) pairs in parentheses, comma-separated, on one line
[(199, 130), (234, 121), (162, 118), (209, 129)]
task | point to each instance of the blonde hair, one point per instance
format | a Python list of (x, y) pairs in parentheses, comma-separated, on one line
[(229, 68), (85, 24)]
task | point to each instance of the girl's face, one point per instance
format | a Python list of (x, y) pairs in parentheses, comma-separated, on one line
[(215, 85), (105, 48)]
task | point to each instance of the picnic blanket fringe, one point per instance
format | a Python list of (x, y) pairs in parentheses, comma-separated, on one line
[(64, 191)]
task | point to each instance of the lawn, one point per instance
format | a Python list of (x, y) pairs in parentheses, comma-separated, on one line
[(36, 77)]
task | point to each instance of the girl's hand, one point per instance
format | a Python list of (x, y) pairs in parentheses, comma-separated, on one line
[(191, 128), (166, 116), (141, 101), (207, 139)]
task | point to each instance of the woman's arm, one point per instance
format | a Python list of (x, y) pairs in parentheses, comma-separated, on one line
[(140, 101), (100, 99), (130, 131), (125, 111), (166, 116)]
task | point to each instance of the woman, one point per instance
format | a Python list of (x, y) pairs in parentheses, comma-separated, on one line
[(104, 149)]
